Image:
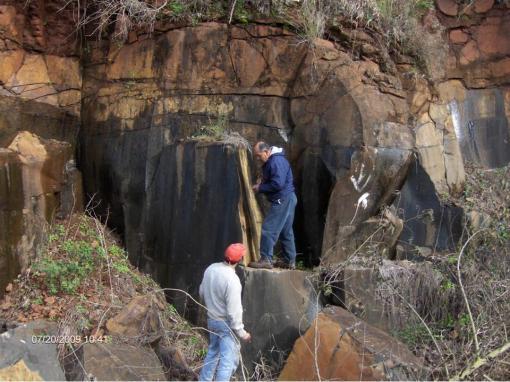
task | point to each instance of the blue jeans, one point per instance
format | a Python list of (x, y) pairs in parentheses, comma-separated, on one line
[(278, 224), (223, 353)]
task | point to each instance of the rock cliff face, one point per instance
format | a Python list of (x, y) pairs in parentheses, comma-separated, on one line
[(321, 106), (361, 134), (38, 182), (40, 93), (349, 127), (463, 115)]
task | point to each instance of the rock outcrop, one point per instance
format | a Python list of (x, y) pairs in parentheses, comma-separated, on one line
[(152, 93), (40, 93), (36, 61), (339, 346), (38, 180), (279, 305)]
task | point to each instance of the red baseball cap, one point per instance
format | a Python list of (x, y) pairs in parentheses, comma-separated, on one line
[(234, 253)]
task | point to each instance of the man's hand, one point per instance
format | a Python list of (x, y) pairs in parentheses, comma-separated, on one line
[(255, 188), (246, 337)]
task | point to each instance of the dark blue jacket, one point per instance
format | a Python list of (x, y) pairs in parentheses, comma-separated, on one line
[(277, 181)]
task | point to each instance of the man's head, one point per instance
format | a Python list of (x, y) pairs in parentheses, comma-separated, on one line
[(234, 253), (262, 151)]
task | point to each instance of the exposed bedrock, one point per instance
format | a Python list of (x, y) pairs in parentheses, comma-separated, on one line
[(179, 205), (279, 306), (40, 96), (321, 107), (38, 182)]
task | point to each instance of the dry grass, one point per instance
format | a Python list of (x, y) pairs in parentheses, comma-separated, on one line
[(452, 309)]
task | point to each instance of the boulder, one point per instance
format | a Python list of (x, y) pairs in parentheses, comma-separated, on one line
[(380, 292), (138, 318), (458, 36), (482, 6), (339, 346), (279, 305), (114, 362), (448, 7), (24, 357)]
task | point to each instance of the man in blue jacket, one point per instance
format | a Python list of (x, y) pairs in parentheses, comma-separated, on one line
[(277, 185)]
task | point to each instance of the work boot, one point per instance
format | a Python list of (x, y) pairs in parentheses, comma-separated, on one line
[(290, 266), (280, 263), (262, 263)]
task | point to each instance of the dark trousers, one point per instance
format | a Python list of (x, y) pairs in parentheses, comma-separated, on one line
[(278, 224)]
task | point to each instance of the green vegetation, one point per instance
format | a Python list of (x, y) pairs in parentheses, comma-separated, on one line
[(414, 335), (74, 254), (215, 130), (82, 279)]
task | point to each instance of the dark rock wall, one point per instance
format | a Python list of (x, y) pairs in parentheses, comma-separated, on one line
[(427, 222), (320, 107), (192, 213), (482, 126), (11, 219)]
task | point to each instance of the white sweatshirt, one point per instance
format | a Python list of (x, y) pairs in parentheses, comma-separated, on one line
[(221, 291)]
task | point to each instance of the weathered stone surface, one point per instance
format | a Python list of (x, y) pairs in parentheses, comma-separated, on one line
[(115, 362), (379, 292), (458, 36), (42, 26), (480, 45), (22, 357), (448, 7), (427, 222), (278, 305), (131, 62), (19, 372), (11, 23), (138, 318), (429, 142), (348, 349), (11, 216), (37, 181), (482, 6), (45, 79), (64, 72), (43, 169), (469, 53), (177, 184), (266, 86), (46, 121), (481, 126), (374, 177), (10, 62), (492, 38)]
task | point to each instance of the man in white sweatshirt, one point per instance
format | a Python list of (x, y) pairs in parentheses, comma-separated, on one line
[(221, 291)]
